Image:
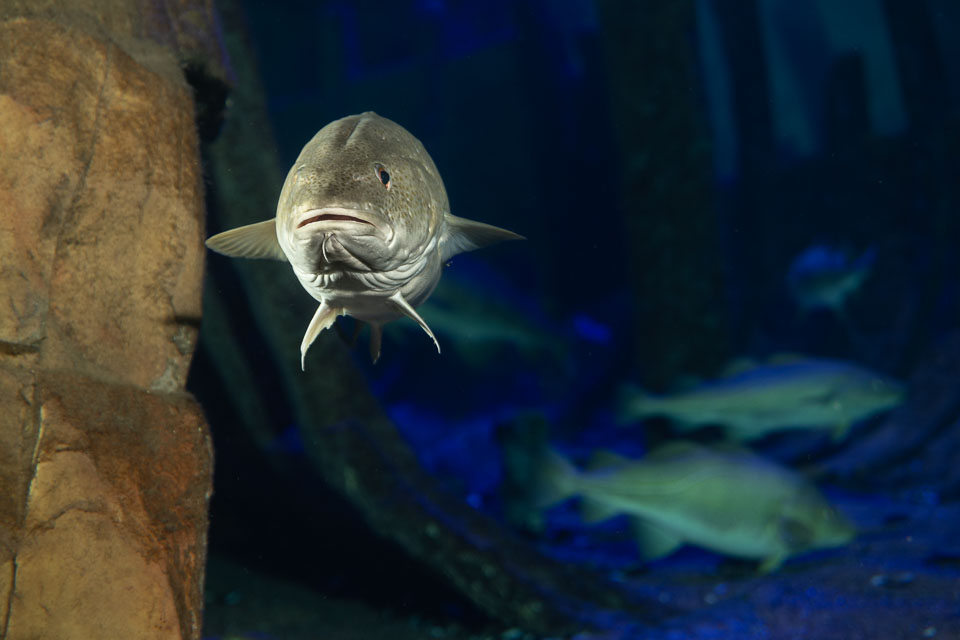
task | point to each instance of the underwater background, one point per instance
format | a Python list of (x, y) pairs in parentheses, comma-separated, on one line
[(741, 234)]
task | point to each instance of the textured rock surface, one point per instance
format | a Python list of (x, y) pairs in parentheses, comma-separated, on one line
[(107, 180), (113, 521), (105, 463)]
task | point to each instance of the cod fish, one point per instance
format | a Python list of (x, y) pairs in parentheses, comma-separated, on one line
[(364, 222), (729, 501), (823, 278), (479, 324), (800, 393)]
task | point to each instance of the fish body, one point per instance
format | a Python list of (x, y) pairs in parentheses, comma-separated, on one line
[(364, 221), (822, 277), (808, 393), (729, 501)]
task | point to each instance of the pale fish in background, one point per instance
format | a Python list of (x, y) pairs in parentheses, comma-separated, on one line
[(364, 222), (797, 393), (479, 326), (729, 501), (822, 277)]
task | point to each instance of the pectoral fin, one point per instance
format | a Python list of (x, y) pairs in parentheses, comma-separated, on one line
[(466, 235), (257, 240), (322, 319), (795, 535), (653, 541), (840, 430), (409, 311)]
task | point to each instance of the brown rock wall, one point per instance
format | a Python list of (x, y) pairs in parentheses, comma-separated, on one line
[(105, 464), (102, 214)]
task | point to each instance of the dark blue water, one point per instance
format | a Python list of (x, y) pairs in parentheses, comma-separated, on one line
[(701, 184)]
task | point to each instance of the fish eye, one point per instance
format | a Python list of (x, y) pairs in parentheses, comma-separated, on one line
[(383, 176)]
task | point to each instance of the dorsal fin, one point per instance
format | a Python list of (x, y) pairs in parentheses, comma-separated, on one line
[(605, 459), (258, 240), (674, 449), (737, 366), (788, 357)]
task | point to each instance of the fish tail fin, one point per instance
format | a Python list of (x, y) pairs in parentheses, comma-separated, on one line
[(534, 476), (553, 479), (633, 404)]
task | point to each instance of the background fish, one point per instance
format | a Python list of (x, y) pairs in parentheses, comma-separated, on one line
[(364, 221), (668, 209), (807, 393), (480, 324), (729, 501), (822, 277)]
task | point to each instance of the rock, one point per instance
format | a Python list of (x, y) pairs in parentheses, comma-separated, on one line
[(102, 218), (105, 463), (112, 543)]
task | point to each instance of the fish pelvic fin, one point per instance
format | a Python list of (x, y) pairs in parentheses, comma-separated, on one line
[(771, 563), (464, 235), (376, 337), (401, 303), (258, 240), (322, 319), (653, 541)]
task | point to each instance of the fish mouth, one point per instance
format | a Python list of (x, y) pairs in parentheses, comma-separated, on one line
[(336, 215)]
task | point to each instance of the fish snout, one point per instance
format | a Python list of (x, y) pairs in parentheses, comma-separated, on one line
[(348, 238), (890, 390)]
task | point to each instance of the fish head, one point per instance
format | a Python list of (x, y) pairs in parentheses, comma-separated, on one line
[(868, 393), (809, 521), (363, 196), (885, 392)]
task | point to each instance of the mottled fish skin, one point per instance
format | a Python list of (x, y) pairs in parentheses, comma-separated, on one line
[(364, 220)]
